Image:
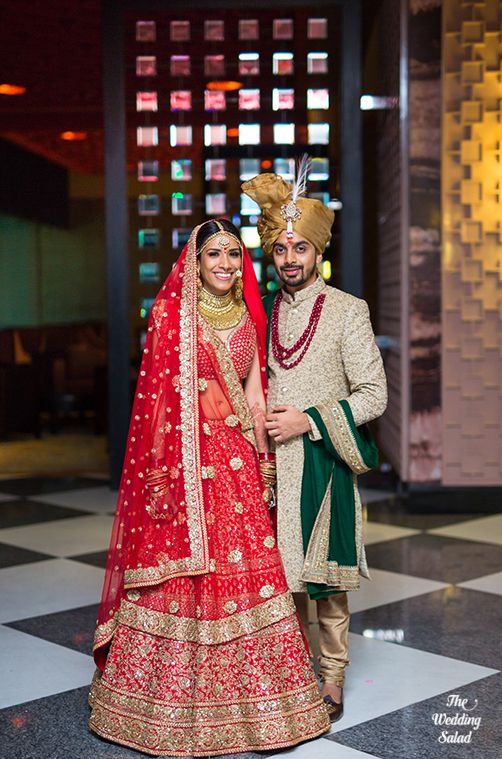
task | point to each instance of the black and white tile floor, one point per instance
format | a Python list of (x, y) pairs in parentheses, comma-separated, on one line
[(426, 633)]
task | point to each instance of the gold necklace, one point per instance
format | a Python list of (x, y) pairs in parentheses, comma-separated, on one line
[(221, 311)]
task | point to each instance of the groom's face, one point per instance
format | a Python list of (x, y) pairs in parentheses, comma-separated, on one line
[(295, 261)]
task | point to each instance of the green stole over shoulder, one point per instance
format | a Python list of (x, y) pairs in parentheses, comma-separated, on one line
[(328, 506)]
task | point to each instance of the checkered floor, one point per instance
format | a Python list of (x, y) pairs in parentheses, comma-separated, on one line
[(425, 633)]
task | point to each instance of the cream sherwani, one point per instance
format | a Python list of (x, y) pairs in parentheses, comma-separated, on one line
[(342, 362)]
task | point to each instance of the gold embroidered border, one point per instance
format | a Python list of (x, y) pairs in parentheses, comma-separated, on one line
[(341, 436), (268, 724), (207, 632), (145, 576), (118, 699), (210, 709), (105, 632), (232, 381), (189, 406), (317, 568)]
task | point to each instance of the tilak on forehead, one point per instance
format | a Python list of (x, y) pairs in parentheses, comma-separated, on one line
[(284, 208)]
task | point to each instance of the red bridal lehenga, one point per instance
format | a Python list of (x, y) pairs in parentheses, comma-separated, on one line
[(198, 646)]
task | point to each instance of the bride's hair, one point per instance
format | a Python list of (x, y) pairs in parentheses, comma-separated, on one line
[(212, 227)]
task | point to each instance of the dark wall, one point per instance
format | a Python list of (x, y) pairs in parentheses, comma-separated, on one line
[(32, 187), (383, 204)]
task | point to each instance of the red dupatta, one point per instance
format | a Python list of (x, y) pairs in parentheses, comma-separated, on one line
[(164, 444)]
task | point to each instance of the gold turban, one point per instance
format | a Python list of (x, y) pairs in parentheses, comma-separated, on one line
[(272, 193)]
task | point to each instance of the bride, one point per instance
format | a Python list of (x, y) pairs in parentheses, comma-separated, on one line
[(198, 647)]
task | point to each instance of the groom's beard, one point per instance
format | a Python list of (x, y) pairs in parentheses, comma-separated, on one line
[(298, 276)]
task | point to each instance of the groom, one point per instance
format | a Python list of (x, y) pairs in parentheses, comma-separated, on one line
[(326, 381)]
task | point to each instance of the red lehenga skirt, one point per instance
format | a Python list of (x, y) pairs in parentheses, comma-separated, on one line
[(216, 663)]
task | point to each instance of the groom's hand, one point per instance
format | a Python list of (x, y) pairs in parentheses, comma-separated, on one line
[(286, 422)]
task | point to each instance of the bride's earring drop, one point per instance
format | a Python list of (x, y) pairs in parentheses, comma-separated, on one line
[(238, 286)]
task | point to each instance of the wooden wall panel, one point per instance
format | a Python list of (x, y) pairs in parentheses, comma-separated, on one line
[(472, 243)]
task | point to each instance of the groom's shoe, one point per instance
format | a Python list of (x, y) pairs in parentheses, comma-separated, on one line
[(335, 711)]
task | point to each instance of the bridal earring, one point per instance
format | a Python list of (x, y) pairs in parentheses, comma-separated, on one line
[(238, 286)]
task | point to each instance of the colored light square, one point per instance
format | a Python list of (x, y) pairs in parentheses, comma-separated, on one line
[(148, 171), (248, 168), (285, 167), (317, 63), (146, 101), (248, 29), (249, 134), (146, 31), (148, 205), (214, 65), (179, 31), (216, 169), (249, 100), (249, 64), (181, 100), (180, 135), (146, 65), (282, 64), (147, 136), (216, 203), (318, 99), (282, 29), (148, 238), (318, 134), (214, 100), (215, 134), (282, 99), (317, 28), (214, 30), (180, 65), (181, 170), (284, 134), (149, 272), (181, 204)]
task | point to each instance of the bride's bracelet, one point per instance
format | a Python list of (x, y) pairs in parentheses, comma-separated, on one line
[(267, 456), (267, 467)]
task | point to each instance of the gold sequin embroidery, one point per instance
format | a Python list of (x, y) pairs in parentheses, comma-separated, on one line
[(207, 632), (266, 591)]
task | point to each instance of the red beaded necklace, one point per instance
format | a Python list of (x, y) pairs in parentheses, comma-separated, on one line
[(282, 354)]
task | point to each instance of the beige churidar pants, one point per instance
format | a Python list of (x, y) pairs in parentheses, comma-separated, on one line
[(333, 615)]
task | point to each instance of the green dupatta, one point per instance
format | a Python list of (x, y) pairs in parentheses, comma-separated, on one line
[(328, 504)]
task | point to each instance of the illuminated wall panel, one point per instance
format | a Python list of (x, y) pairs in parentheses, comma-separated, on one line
[(472, 243), (212, 100)]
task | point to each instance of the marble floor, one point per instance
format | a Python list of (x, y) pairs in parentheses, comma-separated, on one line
[(425, 641)]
